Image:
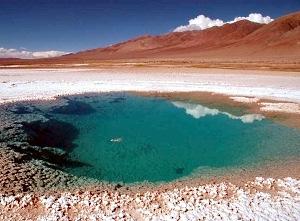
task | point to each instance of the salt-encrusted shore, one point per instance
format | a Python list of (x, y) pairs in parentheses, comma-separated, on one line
[(262, 198), (27, 84)]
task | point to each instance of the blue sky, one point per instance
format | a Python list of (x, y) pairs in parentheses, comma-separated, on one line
[(73, 25)]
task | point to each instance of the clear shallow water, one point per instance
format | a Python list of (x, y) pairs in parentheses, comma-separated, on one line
[(133, 139)]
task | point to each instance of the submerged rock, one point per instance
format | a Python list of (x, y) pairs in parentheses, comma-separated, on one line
[(52, 133), (117, 100), (74, 107), (50, 141), (179, 170), (22, 109)]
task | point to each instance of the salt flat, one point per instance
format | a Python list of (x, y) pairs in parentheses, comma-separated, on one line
[(24, 84)]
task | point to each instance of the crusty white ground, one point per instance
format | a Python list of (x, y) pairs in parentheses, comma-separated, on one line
[(245, 99), (281, 107), (262, 199), (24, 84)]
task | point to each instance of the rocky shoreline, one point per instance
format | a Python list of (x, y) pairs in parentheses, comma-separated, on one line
[(26, 164)]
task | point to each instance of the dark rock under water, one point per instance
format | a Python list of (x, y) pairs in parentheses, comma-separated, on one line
[(52, 133), (179, 170), (19, 109), (74, 107), (31, 132)]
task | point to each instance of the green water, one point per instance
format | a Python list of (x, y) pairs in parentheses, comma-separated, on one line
[(133, 139)]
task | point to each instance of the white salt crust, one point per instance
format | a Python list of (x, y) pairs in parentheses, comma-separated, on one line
[(245, 99), (280, 107), (261, 199), (28, 84)]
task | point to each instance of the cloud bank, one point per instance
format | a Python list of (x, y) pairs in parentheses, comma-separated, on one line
[(254, 17), (199, 23), (202, 22), (15, 53), (197, 111)]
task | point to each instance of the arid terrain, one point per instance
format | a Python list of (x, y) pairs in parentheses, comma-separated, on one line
[(252, 66), (240, 45)]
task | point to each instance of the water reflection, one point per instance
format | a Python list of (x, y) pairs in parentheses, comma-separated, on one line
[(198, 111)]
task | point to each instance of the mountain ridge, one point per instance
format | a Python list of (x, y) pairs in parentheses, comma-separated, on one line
[(147, 45), (243, 40)]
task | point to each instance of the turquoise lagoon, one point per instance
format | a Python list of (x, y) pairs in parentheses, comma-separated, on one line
[(128, 138)]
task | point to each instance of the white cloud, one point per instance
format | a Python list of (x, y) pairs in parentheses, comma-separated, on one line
[(202, 22), (197, 111), (23, 53), (254, 17), (199, 23)]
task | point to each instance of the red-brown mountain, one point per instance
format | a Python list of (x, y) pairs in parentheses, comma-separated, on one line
[(173, 43), (242, 39)]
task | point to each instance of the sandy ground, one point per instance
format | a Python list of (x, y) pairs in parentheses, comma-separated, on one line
[(251, 198), (281, 64)]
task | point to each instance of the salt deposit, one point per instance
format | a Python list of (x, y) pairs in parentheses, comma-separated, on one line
[(261, 199), (245, 99), (280, 107), (25, 84)]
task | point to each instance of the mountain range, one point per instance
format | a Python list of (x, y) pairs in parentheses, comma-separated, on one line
[(279, 39), (242, 40)]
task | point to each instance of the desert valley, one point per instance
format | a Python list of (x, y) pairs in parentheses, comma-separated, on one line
[(186, 125)]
